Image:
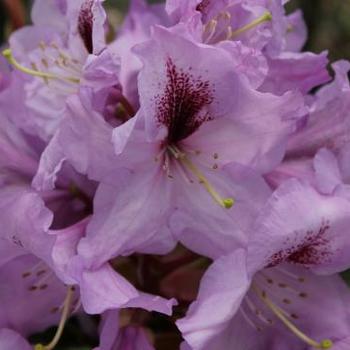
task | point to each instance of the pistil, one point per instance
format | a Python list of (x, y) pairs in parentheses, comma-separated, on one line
[(266, 17), (64, 317), (324, 344), (226, 203), (36, 73)]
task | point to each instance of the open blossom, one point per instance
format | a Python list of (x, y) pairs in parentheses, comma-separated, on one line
[(172, 153), (271, 297), (56, 59), (27, 273), (277, 308)]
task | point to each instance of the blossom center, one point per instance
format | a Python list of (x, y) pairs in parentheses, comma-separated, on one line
[(273, 297), (283, 317), (183, 107), (184, 160)]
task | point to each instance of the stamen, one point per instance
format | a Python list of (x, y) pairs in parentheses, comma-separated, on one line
[(226, 203), (324, 344), (229, 32), (258, 313), (36, 73), (64, 318), (210, 27), (31, 271), (44, 277), (209, 30), (266, 17)]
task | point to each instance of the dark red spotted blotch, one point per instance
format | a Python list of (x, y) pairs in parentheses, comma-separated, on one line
[(182, 108), (85, 24)]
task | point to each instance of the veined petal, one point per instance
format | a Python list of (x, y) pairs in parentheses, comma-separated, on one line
[(218, 300), (130, 210), (104, 289), (84, 138), (205, 227)]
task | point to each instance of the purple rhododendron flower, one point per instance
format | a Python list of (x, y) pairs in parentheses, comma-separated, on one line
[(177, 181), (280, 293), (59, 60), (183, 130), (276, 308)]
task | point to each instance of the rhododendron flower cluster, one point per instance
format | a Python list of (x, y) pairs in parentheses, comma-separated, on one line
[(192, 163)]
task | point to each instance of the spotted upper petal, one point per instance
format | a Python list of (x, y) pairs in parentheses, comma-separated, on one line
[(174, 66), (143, 195), (301, 226), (87, 19), (181, 94)]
